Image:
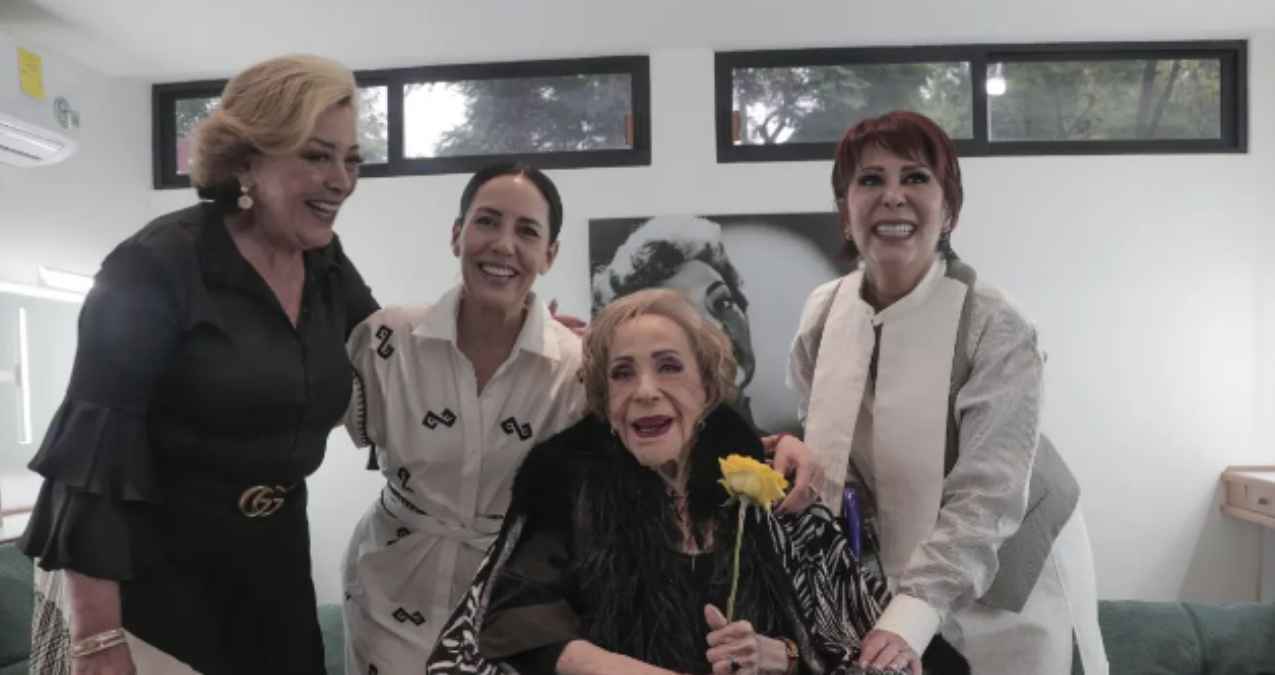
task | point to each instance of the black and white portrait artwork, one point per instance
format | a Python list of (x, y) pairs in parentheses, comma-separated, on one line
[(748, 273)]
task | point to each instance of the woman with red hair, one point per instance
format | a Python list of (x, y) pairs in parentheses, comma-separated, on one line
[(920, 390)]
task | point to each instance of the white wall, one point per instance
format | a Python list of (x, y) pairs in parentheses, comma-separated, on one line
[(1149, 277), (69, 215), (1265, 400)]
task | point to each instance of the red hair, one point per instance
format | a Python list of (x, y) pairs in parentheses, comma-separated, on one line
[(906, 134)]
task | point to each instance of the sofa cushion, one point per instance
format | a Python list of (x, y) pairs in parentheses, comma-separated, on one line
[(16, 602), (1237, 639), (1150, 638), (19, 668), (333, 626)]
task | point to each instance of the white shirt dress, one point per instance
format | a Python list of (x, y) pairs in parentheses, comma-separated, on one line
[(449, 455)]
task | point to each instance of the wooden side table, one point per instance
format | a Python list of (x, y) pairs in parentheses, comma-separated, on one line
[(1250, 493)]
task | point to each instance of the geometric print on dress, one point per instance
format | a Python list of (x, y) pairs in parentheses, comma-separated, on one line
[(383, 348), (398, 534), (403, 476), (446, 418), (400, 615), (511, 427)]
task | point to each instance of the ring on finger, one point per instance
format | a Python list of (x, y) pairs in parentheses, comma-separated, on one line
[(734, 666)]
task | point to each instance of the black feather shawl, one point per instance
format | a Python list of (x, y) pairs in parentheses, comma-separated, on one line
[(632, 580)]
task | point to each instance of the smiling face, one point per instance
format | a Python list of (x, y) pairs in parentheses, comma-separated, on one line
[(655, 393), (894, 213), (709, 293), (297, 196), (503, 242)]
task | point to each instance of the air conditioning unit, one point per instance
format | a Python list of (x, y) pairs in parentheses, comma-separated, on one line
[(35, 130)]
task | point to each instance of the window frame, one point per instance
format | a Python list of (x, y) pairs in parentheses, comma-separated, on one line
[(164, 99), (1233, 55)]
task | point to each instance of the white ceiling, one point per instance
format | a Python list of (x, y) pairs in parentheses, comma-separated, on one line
[(167, 40)]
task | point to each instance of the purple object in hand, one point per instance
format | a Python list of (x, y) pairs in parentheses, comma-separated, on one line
[(853, 522)]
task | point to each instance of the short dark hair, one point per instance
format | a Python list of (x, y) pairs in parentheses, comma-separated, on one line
[(906, 134), (531, 173)]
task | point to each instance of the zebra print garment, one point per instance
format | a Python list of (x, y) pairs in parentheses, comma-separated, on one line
[(839, 600)]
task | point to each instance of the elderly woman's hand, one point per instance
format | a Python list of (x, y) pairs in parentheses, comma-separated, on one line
[(792, 456), (737, 648)]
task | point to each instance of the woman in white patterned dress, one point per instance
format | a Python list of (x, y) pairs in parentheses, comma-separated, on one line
[(451, 396)]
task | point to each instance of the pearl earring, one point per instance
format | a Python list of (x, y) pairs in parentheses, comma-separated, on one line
[(245, 200)]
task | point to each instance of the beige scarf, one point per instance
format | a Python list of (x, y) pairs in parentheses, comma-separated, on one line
[(909, 413)]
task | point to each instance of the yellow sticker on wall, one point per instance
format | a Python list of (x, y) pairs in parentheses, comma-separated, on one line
[(31, 74)]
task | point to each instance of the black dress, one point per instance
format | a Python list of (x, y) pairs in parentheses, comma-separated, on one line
[(190, 387)]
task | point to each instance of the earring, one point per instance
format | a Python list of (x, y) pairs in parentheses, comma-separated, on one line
[(245, 200)]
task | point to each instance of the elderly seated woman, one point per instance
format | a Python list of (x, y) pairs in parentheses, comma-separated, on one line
[(617, 552)]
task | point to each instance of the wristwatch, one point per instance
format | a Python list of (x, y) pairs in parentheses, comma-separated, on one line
[(794, 658)]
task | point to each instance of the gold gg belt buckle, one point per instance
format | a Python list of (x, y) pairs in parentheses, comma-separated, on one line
[(260, 501)]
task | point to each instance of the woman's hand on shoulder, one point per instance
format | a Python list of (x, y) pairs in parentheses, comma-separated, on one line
[(116, 660), (795, 460), (573, 323), (737, 648)]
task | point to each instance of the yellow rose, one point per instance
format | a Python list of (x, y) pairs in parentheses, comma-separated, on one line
[(747, 478)]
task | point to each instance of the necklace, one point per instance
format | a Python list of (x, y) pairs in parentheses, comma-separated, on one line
[(690, 546)]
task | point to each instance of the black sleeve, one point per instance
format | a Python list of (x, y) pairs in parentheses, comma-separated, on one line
[(529, 618), (359, 302), (539, 661), (93, 512)]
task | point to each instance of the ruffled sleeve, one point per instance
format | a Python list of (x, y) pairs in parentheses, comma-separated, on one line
[(94, 511)]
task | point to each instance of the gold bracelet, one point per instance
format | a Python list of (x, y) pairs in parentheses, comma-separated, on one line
[(98, 642)]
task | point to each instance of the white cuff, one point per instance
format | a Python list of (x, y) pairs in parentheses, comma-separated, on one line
[(912, 619)]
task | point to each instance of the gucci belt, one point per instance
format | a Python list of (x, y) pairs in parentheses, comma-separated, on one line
[(261, 501)]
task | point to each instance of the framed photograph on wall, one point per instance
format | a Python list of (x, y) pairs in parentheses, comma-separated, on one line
[(749, 273)]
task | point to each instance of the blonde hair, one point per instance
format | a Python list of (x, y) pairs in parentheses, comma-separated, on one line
[(711, 347), (272, 108)]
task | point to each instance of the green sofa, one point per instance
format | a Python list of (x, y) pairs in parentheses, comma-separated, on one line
[(15, 611), (1180, 638), (1143, 638)]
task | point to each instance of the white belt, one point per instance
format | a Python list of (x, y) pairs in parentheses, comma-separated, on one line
[(479, 535)]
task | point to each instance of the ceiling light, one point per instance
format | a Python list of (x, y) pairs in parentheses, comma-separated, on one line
[(23, 378), (41, 292), (66, 281)]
